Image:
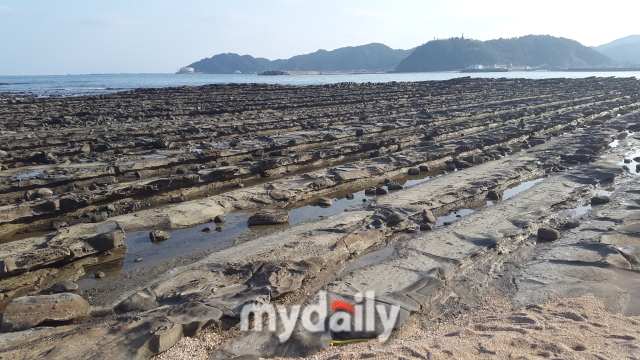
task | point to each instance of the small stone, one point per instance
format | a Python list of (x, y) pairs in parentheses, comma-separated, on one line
[(218, 228), (370, 191), (181, 170), (427, 216), (450, 167), (324, 202), (548, 234), (110, 208), (426, 227), (414, 171), (219, 219), (350, 197), (381, 191), (627, 161), (269, 217), (572, 224), (206, 229), (392, 185), (137, 259), (599, 200), (99, 275), (239, 185), (158, 236), (64, 286), (177, 199), (44, 192), (100, 217), (423, 168)]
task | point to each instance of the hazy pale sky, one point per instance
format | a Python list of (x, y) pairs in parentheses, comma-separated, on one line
[(40, 37)]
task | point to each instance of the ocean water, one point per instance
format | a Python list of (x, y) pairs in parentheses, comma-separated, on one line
[(74, 85)]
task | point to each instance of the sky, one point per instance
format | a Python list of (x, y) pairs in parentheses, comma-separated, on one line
[(55, 37)]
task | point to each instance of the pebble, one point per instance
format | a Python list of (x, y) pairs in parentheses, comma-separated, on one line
[(137, 260), (99, 275)]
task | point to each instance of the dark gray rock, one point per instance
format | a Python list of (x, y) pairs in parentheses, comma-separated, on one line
[(64, 286), (392, 185), (219, 219), (494, 195), (350, 197), (548, 234), (304, 344), (177, 199), (426, 227), (381, 191), (599, 200), (324, 201), (414, 171), (572, 224), (394, 218)]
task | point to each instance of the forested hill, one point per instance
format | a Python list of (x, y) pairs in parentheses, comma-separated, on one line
[(531, 50), (624, 51), (369, 57)]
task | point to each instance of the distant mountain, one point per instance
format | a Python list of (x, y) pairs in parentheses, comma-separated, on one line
[(352, 58), (531, 50), (369, 57), (625, 50), (229, 63)]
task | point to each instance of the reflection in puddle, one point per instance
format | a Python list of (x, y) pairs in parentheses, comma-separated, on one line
[(518, 188), (453, 216), (30, 174), (370, 258), (581, 210)]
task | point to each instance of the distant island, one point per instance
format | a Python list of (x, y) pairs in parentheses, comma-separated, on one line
[(526, 53), (371, 57)]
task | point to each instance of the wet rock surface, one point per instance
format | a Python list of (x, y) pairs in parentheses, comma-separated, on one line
[(497, 161)]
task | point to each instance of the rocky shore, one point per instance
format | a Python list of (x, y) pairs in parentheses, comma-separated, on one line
[(172, 208)]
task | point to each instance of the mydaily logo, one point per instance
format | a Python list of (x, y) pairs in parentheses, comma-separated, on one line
[(345, 317)]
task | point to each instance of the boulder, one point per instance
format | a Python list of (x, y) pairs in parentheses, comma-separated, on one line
[(414, 171), (141, 301), (158, 236), (394, 186), (26, 312), (269, 217)]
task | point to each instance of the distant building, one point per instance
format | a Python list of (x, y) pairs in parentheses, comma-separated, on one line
[(186, 70), (475, 67)]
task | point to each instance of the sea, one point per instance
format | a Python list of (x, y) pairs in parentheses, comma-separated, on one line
[(91, 84)]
